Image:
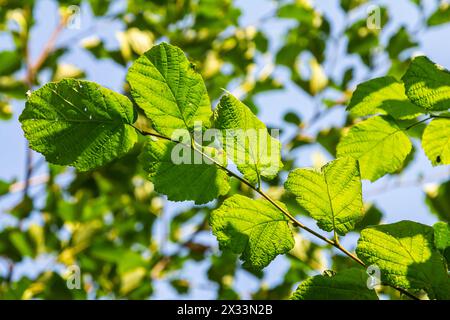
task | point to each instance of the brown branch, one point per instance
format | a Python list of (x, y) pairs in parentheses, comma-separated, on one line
[(33, 69), (30, 77)]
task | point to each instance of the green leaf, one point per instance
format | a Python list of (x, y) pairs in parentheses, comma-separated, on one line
[(363, 39), (4, 187), (79, 123), (399, 42), (21, 242), (372, 216), (329, 139), (253, 228), (383, 95), (169, 90), (441, 235), (348, 5), (440, 16), (293, 118), (349, 284), (428, 84), (11, 87), (332, 196), (99, 7), (436, 141), (246, 140), (442, 240), (406, 255), (379, 145), (178, 172), (23, 208), (10, 62)]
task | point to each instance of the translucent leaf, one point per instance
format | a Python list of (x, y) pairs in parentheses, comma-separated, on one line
[(441, 235), (169, 90), (379, 145), (428, 84), (383, 95), (436, 141), (246, 140), (406, 255), (332, 196), (79, 123), (253, 228), (302, 12), (349, 284), (178, 172), (442, 239)]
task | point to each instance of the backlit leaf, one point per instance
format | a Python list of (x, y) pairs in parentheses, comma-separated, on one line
[(253, 228), (379, 145), (169, 90), (436, 141), (332, 196), (79, 123), (181, 174), (246, 140), (349, 284), (406, 255), (428, 84)]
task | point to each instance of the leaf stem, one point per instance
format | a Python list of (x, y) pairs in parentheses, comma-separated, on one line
[(419, 122), (432, 116)]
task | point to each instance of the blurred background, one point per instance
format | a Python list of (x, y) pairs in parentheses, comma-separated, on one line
[(295, 63)]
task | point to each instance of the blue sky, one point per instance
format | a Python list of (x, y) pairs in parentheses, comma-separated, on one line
[(396, 202)]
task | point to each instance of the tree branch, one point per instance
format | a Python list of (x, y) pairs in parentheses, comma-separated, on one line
[(297, 223)]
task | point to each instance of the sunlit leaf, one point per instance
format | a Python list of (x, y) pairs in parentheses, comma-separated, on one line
[(253, 228), (79, 123)]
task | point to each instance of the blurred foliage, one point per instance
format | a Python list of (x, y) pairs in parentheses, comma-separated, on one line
[(104, 221)]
